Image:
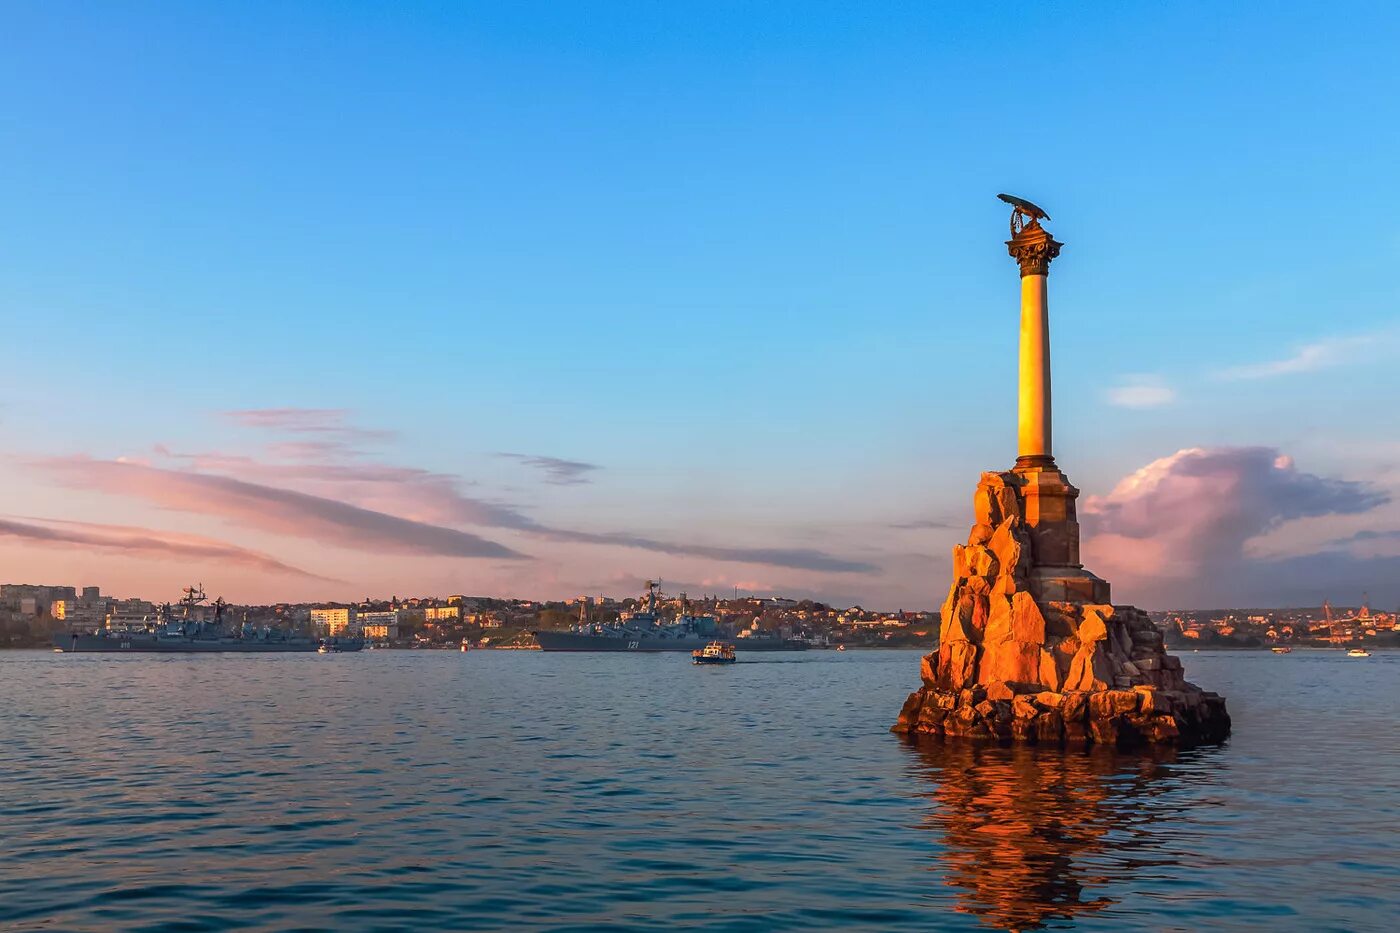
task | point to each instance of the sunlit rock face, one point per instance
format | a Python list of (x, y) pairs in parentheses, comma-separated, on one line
[(1032, 650)]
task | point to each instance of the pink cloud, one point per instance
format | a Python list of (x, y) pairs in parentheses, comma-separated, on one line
[(1175, 532), (320, 487), (271, 509), (430, 497), (144, 542)]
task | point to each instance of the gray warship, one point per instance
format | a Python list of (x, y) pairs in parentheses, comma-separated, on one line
[(188, 632), (646, 631)]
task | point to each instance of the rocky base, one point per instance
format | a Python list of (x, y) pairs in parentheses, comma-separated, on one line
[(1031, 650), (1117, 718)]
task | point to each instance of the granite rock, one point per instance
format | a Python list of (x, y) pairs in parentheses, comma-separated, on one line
[(1014, 667)]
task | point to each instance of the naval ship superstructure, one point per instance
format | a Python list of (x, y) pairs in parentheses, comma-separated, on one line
[(190, 630), (646, 630)]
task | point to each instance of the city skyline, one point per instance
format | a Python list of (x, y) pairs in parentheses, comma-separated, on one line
[(318, 302)]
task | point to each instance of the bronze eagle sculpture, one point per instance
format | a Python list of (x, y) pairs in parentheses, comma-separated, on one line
[(1021, 209)]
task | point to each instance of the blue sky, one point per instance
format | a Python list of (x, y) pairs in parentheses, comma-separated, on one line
[(744, 260)]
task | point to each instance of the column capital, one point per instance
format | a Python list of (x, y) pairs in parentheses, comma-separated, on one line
[(1034, 249)]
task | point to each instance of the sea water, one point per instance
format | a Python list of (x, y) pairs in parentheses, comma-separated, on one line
[(425, 790)]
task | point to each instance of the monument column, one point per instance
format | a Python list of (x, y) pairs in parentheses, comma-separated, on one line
[(1046, 493), (1033, 248)]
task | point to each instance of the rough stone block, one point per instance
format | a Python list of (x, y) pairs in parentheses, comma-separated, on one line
[(981, 561), (1027, 622), (930, 718), (1049, 727), (984, 507), (1104, 731), (1152, 701), (960, 568), (1093, 628), (1109, 703), (998, 690), (957, 665), (972, 696), (1075, 707), (909, 713), (1089, 670), (1010, 661), (1049, 675)]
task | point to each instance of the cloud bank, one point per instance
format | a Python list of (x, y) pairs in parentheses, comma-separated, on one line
[(359, 506), (141, 542), (1176, 531), (270, 509)]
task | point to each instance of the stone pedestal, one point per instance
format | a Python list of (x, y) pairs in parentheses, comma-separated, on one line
[(1035, 652), (1048, 498)]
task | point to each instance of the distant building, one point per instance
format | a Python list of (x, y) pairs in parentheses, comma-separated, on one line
[(443, 613), (330, 621), (34, 600), (78, 613), (380, 626)]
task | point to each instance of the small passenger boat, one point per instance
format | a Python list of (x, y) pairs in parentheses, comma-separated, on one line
[(1281, 649), (716, 652), (1358, 653)]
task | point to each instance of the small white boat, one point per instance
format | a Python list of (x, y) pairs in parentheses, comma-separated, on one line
[(840, 647), (1358, 653), (716, 652), (1281, 649), (324, 649)]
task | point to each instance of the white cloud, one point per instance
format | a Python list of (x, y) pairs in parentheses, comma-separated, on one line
[(1142, 391), (1321, 354)]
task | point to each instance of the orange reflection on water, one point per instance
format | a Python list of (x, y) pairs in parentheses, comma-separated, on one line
[(1027, 833)]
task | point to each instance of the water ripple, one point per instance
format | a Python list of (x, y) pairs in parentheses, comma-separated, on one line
[(436, 791)]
